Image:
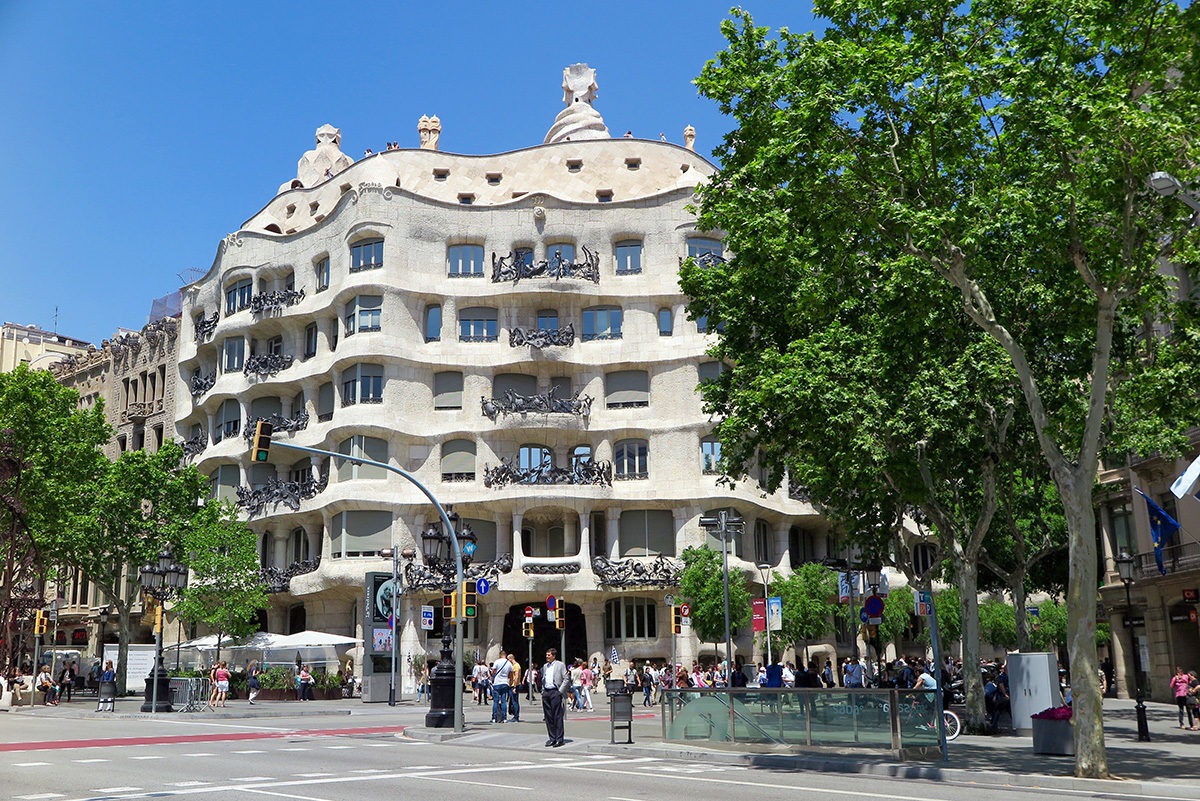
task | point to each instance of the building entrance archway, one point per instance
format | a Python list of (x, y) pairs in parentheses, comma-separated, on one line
[(545, 635)]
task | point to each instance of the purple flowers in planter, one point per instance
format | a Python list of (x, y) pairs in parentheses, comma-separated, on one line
[(1054, 713)]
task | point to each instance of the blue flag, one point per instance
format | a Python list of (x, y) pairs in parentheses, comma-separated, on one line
[(1162, 529)]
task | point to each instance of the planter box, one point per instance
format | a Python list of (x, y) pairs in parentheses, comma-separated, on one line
[(1053, 737)]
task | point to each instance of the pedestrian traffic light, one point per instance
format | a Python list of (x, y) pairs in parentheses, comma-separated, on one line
[(528, 631), (470, 599), (449, 602), (261, 448), (39, 622), (676, 619), (560, 613)]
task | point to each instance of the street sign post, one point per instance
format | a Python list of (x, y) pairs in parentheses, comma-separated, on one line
[(426, 618)]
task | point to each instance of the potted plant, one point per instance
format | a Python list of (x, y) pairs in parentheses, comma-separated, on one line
[(1052, 731)]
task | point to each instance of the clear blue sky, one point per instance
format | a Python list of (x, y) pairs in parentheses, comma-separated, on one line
[(138, 134)]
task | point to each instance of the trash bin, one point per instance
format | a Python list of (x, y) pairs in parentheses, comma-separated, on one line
[(106, 696), (620, 714), (614, 687)]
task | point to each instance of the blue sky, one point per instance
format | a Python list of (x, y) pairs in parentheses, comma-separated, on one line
[(139, 134)]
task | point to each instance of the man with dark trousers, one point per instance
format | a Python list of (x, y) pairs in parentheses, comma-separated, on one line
[(555, 681)]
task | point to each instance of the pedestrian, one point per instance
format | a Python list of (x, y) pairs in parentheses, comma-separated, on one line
[(854, 673), (1179, 688), (423, 683), (45, 685), (500, 671), (66, 680), (573, 693), (514, 688), (253, 685), (649, 678), (306, 683), (587, 681), (632, 680), (221, 683), (555, 681)]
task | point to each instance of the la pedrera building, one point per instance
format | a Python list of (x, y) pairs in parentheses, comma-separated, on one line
[(507, 328)]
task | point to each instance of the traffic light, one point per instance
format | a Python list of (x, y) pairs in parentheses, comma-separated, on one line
[(676, 619), (449, 602), (527, 630), (39, 622), (261, 447), (470, 599), (560, 614)]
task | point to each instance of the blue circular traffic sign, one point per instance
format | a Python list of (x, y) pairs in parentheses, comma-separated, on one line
[(873, 606), (862, 615), (482, 586)]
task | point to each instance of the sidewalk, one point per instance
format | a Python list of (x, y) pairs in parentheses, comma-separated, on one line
[(1167, 766)]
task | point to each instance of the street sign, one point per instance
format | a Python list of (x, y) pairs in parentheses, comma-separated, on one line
[(1034, 611), (775, 613), (669, 600), (426, 618), (1191, 595), (923, 603), (1139, 620), (550, 602), (482, 586), (529, 614), (685, 610), (873, 606), (862, 615)]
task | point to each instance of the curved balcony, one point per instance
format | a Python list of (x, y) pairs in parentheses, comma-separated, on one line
[(581, 473)]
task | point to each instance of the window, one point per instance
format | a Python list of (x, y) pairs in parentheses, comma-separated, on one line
[(710, 371), (433, 323), (265, 407), (458, 460), (629, 257), (228, 421), (631, 619), (260, 474), (631, 460), (322, 274), (300, 471), (363, 314), (532, 457), (360, 533), (560, 250), (325, 402), (801, 546), (646, 532), (547, 320), (234, 349), (464, 260), (298, 546), (626, 389), (237, 296), (521, 384), (763, 552), (333, 333), (712, 537), (366, 255), (447, 390), (704, 327), (524, 255), (561, 385), (225, 481), (580, 455), (478, 324), (275, 346), (1120, 520), (666, 322), (701, 246), (362, 383), (601, 322), (364, 448), (466, 199), (710, 455), (310, 340)]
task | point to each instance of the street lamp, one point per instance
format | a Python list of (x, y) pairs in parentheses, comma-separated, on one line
[(395, 554), (446, 679), (728, 524), (764, 569), (161, 582), (842, 566), (1168, 185), (1125, 562)]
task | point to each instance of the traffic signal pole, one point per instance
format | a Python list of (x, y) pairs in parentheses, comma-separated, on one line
[(456, 548)]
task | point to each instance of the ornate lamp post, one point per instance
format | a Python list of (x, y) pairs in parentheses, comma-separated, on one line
[(161, 582), (764, 569), (448, 553), (395, 554), (872, 572), (1125, 570), (728, 524), (102, 615)]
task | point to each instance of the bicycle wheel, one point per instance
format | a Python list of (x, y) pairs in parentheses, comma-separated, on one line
[(953, 724)]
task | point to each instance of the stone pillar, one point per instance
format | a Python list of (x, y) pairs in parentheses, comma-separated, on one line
[(517, 546), (279, 542), (681, 518), (569, 535), (585, 537), (612, 539), (314, 541), (783, 562)]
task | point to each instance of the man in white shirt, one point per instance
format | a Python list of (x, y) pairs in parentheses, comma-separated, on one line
[(501, 670), (555, 681)]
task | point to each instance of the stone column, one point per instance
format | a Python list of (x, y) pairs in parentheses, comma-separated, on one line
[(612, 539), (585, 538), (279, 542), (518, 550), (782, 561), (681, 517), (568, 535), (314, 541)]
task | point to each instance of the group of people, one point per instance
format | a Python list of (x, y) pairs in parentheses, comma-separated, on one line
[(53, 689), (1186, 689)]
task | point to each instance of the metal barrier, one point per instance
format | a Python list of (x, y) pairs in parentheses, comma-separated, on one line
[(191, 694)]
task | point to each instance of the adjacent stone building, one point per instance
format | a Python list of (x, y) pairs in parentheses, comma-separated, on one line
[(509, 329)]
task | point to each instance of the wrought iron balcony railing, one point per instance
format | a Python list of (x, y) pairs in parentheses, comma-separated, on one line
[(663, 571), (280, 579), (514, 267), (205, 326), (278, 422), (542, 403), (276, 300), (542, 337), (581, 473), (267, 364), (275, 492)]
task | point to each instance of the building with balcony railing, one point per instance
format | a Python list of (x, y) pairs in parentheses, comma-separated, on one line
[(508, 328)]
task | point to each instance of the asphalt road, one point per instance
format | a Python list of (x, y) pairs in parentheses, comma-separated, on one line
[(347, 758)]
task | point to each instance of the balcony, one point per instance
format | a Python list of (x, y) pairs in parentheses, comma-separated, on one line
[(267, 364), (277, 300), (290, 493), (582, 473), (514, 268), (542, 337), (542, 403)]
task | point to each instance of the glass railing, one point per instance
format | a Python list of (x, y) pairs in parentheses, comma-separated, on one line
[(902, 723)]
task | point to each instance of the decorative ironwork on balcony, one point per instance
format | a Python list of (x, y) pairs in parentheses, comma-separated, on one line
[(663, 571), (275, 300), (706, 260), (514, 267), (267, 364), (798, 492), (280, 579), (582, 472), (551, 569), (196, 445), (542, 403), (440, 575), (205, 327), (278, 422), (275, 492), (202, 384), (542, 337)]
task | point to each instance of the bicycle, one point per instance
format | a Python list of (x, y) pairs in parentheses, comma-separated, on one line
[(916, 713)]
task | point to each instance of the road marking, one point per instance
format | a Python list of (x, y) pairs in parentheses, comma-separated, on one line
[(190, 784), (40, 795), (476, 784), (338, 747), (149, 756), (116, 789), (313, 775), (251, 751), (622, 798), (295, 749), (29, 764), (379, 745), (198, 755), (88, 761), (253, 779), (289, 795), (369, 770)]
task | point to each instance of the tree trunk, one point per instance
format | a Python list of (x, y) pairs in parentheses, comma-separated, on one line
[(1017, 587), (1091, 760), (966, 574)]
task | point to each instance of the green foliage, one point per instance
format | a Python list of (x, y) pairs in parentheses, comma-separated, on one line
[(700, 583), (998, 624), (948, 605), (897, 615), (809, 602)]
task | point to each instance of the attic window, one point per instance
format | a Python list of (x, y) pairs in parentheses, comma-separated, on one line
[(633, 164), (466, 199), (441, 174), (604, 195), (574, 165), (344, 188), (291, 209), (493, 178), (273, 228), (319, 217), (312, 207), (683, 167), (519, 194)]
